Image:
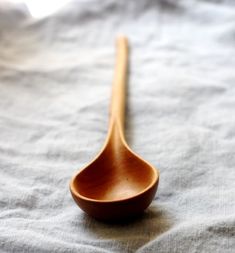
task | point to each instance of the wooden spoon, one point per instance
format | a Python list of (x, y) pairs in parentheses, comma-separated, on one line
[(117, 184)]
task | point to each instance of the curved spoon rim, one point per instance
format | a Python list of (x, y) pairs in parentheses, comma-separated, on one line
[(74, 191)]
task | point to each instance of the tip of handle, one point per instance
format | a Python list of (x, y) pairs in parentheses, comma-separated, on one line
[(122, 40)]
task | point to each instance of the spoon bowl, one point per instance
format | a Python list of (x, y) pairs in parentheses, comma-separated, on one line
[(117, 184)]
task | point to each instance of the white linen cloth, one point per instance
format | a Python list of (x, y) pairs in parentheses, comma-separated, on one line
[(55, 85)]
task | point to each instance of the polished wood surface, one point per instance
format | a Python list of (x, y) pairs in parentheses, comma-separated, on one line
[(117, 183)]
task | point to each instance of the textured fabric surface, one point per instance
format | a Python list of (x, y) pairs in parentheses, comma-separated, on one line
[(55, 84)]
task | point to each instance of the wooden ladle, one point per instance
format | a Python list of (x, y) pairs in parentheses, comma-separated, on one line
[(117, 184)]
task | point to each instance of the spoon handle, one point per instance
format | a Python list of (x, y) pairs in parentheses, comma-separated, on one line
[(119, 84)]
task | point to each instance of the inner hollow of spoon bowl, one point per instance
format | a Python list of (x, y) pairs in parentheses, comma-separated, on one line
[(115, 179)]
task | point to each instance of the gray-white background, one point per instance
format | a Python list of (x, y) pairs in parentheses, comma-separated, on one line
[(55, 85)]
